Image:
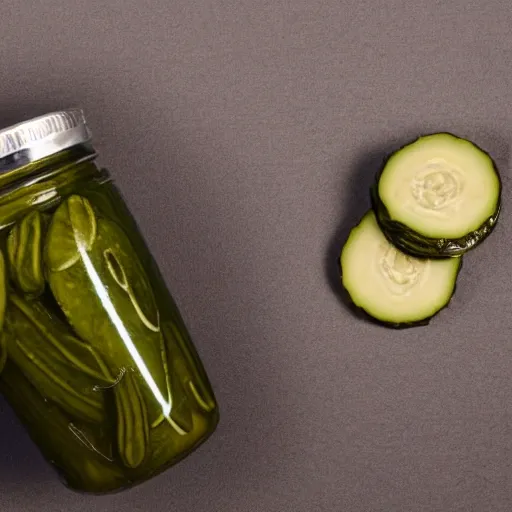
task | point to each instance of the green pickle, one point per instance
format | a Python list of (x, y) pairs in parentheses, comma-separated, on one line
[(95, 358)]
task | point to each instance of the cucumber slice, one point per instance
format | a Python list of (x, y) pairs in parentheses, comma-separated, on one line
[(438, 196), (390, 286)]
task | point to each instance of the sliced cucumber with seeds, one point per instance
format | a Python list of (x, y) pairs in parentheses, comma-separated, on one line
[(438, 196), (390, 286)]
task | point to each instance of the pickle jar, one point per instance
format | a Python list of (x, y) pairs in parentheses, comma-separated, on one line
[(95, 358)]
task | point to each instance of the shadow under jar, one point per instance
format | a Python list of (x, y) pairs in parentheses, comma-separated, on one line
[(95, 358)]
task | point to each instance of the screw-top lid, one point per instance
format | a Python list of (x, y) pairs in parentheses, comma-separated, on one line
[(44, 136)]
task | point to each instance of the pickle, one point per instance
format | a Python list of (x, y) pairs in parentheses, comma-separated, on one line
[(24, 248), (72, 229), (102, 288), (132, 421), (63, 368), (198, 387)]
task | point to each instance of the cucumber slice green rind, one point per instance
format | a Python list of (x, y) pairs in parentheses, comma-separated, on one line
[(369, 315), (420, 244), (414, 244)]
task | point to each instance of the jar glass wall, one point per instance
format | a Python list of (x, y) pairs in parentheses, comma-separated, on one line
[(95, 358)]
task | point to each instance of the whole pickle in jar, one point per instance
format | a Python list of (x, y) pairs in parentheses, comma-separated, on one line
[(103, 290), (187, 367), (25, 251), (132, 423), (64, 369)]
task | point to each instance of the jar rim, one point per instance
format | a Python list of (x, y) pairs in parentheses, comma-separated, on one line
[(43, 136)]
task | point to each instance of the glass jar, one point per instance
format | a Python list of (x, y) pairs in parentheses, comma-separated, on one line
[(95, 358)]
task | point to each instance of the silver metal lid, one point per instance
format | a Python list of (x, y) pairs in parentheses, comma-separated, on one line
[(44, 136)]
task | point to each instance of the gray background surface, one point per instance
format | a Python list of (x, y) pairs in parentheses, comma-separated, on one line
[(244, 135)]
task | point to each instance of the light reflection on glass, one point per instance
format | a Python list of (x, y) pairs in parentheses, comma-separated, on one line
[(124, 334)]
